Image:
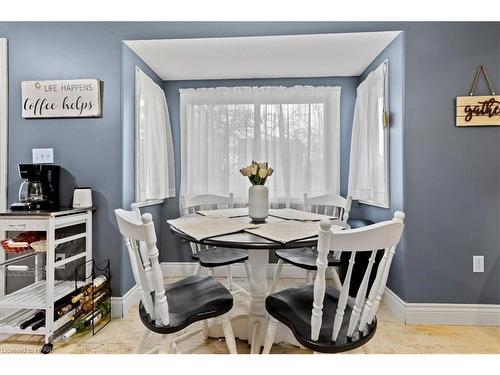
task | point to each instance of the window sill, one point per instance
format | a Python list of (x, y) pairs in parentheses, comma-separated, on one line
[(374, 204), (152, 202)]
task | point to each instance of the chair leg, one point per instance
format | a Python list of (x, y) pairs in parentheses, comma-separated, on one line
[(140, 345), (309, 276), (248, 270), (272, 327), (255, 349), (228, 333), (166, 348), (276, 278), (205, 329), (229, 278), (197, 269), (174, 348), (335, 276)]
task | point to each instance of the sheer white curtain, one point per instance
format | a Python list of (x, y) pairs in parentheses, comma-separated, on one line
[(155, 175), (296, 129), (369, 162)]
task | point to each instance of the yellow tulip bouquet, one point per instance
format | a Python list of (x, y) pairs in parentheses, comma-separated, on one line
[(257, 173)]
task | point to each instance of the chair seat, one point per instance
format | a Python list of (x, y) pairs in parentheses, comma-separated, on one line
[(293, 308), (303, 258), (220, 256), (190, 300)]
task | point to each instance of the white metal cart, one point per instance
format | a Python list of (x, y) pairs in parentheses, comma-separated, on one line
[(45, 289)]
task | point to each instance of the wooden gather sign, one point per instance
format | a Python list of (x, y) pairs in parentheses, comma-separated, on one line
[(478, 110), (61, 98)]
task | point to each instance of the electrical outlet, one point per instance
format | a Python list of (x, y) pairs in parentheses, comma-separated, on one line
[(478, 263), (43, 155)]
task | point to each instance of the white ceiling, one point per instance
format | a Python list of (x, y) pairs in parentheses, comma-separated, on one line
[(312, 55)]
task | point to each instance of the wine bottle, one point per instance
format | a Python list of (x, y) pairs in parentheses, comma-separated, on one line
[(94, 300), (38, 324), (61, 307), (86, 321), (90, 288), (35, 318)]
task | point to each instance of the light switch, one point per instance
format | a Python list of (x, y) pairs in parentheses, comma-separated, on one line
[(43, 155)]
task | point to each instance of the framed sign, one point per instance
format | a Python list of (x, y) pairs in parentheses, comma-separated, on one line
[(61, 99), (478, 110)]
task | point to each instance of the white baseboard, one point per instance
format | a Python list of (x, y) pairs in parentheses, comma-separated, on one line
[(408, 313), (442, 313), (120, 306)]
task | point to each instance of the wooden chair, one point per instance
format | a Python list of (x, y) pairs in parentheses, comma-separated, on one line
[(305, 258), (166, 309), (212, 257), (325, 319)]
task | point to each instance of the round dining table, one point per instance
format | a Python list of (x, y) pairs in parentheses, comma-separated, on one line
[(252, 325)]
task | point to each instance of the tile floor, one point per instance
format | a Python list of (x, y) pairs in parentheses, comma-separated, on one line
[(121, 335)]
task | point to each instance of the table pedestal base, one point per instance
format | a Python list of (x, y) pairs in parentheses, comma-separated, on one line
[(249, 318)]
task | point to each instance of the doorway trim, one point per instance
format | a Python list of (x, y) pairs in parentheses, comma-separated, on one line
[(4, 119), (4, 123)]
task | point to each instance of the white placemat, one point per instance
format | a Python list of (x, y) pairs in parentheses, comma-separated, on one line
[(226, 212), (291, 214), (288, 231), (201, 227)]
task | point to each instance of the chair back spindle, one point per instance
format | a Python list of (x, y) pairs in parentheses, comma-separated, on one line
[(204, 202), (330, 204), (135, 231), (320, 281), (384, 235), (143, 251)]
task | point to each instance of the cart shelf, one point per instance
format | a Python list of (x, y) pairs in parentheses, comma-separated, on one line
[(33, 295)]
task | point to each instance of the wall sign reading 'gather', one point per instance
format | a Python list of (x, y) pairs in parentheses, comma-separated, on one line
[(61, 98), (478, 110)]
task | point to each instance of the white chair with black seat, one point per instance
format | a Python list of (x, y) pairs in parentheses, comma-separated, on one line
[(323, 318), (212, 257), (305, 258), (168, 309)]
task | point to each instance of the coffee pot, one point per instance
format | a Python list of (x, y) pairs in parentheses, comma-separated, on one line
[(39, 189)]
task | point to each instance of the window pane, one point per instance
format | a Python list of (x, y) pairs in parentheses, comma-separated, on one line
[(298, 139)]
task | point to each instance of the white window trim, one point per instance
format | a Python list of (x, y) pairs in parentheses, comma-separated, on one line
[(3, 122)]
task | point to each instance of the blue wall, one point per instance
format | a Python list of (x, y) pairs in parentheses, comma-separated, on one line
[(88, 149), (452, 175), (451, 180)]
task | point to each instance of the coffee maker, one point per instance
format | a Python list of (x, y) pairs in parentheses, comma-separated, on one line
[(40, 188)]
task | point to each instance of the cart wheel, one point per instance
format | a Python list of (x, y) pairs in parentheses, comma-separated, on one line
[(47, 348)]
